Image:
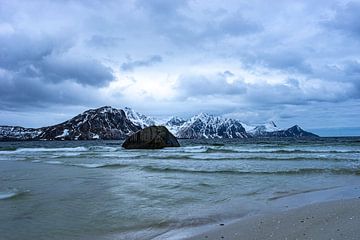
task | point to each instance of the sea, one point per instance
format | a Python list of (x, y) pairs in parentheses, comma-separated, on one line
[(98, 190)]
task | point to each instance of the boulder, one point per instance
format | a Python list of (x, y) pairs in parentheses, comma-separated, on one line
[(153, 137)]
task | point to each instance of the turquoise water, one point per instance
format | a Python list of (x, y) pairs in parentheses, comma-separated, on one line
[(97, 190)]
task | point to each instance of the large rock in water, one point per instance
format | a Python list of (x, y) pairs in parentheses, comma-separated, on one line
[(153, 137)]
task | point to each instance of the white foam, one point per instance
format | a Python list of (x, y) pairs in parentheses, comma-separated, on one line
[(75, 149), (53, 162), (195, 149), (89, 165), (7, 195), (104, 149), (10, 194), (68, 154)]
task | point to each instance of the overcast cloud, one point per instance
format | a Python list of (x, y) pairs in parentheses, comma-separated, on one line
[(294, 62)]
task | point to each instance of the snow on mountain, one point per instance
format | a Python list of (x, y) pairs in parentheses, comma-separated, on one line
[(138, 118), (208, 126), (174, 124), (111, 123), (294, 131), (18, 133), (101, 123), (258, 130)]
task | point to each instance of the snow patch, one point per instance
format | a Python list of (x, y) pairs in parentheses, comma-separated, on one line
[(64, 134)]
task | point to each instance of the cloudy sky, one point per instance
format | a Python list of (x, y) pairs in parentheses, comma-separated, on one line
[(293, 62)]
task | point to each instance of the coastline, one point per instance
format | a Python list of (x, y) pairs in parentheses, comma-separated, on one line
[(321, 214), (338, 219), (166, 194)]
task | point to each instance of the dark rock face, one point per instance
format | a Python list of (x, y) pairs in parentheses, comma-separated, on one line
[(153, 137)]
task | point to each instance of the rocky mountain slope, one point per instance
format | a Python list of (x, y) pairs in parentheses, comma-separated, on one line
[(9, 133), (138, 118), (102, 123), (111, 123), (294, 131), (174, 124), (259, 130), (208, 126)]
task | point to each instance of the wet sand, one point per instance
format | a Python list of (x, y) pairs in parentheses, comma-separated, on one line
[(338, 219)]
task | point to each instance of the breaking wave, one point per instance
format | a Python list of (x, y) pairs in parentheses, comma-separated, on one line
[(99, 165), (301, 171), (31, 150), (277, 151), (247, 158), (11, 194)]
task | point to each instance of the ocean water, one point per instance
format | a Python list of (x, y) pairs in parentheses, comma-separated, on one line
[(97, 190)]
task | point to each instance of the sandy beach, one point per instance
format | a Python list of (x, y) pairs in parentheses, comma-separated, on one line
[(338, 219)]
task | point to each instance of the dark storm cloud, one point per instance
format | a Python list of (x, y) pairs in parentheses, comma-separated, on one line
[(346, 19), (281, 59), (200, 85), (49, 59), (163, 8), (171, 20), (20, 90), (104, 41), (18, 50), (233, 25), (277, 53), (41, 70), (77, 69), (130, 65), (293, 91), (352, 72)]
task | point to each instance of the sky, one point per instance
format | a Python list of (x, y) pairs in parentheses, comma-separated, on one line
[(292, 62)]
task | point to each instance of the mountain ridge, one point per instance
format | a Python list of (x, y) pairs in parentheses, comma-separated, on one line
[(108, 123)]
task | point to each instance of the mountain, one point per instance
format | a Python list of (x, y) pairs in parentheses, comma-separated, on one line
[(208, 126), (259, 130), (174, 124), (11, 133), (294, 131), (110, 123), (102, 123), (139, 119)]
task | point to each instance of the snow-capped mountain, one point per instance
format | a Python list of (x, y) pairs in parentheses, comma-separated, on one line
[(294, 131), (18, 133), (101, 123), (139, 119), (259, 130), (174, 124), (208, 126), (111, 123)]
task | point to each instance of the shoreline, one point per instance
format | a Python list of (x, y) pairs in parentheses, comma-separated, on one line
[(338, 219), (315, 214)]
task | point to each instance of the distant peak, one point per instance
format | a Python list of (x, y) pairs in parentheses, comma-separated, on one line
[(105, 107), (297, 127), (202, 115)]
